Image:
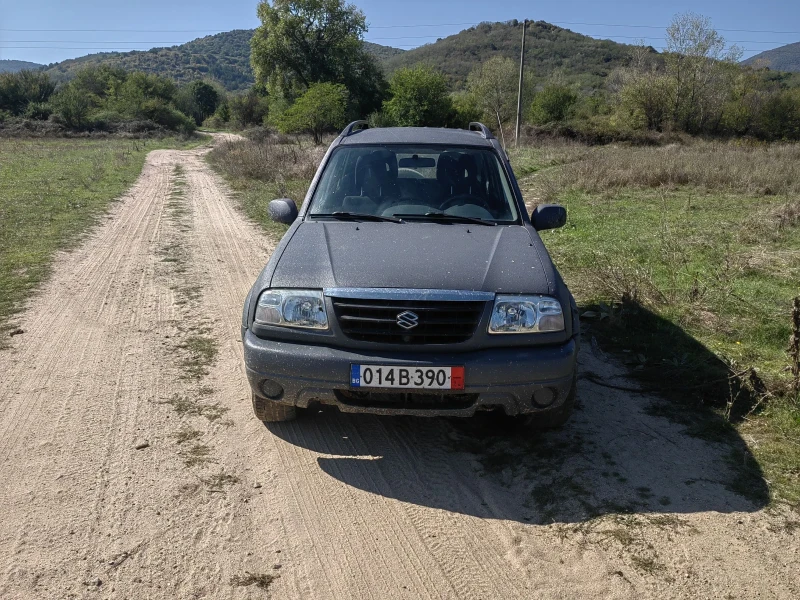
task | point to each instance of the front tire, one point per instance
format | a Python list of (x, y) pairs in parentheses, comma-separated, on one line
[(273, 412)]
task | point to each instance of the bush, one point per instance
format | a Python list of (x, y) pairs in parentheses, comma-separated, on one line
[(780, 116), (39, 111), (552, 105), (214, 122), (420, 98), (72, 107), (168, 117), (465, 110), (322, 108), (105, 120), (18, 90), (248, 109), (198, 100)]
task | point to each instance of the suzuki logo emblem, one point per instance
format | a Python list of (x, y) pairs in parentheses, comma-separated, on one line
[(407, 320)]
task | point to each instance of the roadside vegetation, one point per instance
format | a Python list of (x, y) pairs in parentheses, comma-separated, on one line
[(686, 259), (266, 166), (51, 191)]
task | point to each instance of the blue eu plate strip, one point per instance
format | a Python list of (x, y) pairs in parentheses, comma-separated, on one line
[(355, 375)]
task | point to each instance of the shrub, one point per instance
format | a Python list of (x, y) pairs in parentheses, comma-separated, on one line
[(420, 98), (552, 105), (465, 110), (39, 111), (168, 117), (322, 108), (72, 107), (17, 90), (248, 109)]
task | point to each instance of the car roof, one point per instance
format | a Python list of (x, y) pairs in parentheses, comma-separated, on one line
[(416, 135)]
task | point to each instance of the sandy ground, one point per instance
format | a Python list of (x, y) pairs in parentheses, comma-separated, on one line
[(213, 504)]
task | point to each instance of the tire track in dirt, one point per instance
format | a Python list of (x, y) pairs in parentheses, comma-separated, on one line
[(348, 506)]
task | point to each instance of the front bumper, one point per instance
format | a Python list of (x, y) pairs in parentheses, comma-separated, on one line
[(503, 378)]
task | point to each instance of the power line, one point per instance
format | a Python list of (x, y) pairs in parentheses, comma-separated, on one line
[(472, 24)]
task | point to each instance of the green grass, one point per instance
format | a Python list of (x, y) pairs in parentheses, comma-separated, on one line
[(688, 272), (51, 192)]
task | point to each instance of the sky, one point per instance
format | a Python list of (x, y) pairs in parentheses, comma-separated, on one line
[(35, 30)]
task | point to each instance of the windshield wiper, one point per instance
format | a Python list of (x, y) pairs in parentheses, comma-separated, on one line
[(439, 216), (350, 216)]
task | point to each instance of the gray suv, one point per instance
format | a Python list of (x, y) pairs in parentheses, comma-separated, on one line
[(413, 282)]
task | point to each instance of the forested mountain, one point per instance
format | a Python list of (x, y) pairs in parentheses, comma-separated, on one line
[(785, 58), (549, 50), (226, 56), (12, 66)]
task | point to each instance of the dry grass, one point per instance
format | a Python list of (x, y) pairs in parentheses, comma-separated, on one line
[(762, 170), (269, 159)]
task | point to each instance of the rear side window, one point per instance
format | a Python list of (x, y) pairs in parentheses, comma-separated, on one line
[(389, 180)]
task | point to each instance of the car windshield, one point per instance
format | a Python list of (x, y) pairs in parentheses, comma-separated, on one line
[(415, 181)]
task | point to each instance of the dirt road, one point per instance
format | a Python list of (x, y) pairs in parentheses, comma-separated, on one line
[(131, 467)]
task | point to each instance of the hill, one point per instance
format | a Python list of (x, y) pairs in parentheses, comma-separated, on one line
[(12, 66), (785, 58), (224, 57), (549, 50)]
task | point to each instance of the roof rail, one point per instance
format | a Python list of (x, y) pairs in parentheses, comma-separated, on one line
[(355, 127), (482, 129)]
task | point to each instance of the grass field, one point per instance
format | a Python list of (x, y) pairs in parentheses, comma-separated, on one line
[(51, 191), (685, 261)]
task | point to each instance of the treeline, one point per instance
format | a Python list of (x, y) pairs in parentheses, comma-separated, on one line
[(313, 76), (104, 99)]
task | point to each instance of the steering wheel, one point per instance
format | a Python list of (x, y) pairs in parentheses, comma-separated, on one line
[(462, 199)]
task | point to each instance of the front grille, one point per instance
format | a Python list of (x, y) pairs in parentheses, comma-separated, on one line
[(440, 322), (406, 400)]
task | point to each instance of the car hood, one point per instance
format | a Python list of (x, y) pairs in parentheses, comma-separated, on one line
[(325, 254)]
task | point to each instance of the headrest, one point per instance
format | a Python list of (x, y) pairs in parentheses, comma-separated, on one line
[(448, 169)]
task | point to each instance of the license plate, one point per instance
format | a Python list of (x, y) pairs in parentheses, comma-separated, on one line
[(410, 378)]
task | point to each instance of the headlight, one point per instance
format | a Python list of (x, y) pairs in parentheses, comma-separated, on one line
[(292, 308), (526, 314)]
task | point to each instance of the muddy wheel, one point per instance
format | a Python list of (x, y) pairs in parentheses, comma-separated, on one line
[(272, 412)]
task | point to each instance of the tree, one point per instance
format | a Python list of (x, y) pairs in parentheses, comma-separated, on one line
[(644, 90), (17, 90), (699, 65), (420, 98), (322, 108), (552, 104), (248, 109), (494, 85), (72, 106), (198, 99), (302, 42)]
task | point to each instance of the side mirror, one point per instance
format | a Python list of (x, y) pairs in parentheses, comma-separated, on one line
[(548, 216), (283, 211)]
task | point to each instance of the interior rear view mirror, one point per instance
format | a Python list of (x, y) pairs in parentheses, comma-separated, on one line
[(416, 162)]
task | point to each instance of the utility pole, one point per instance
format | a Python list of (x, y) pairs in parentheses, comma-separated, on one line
[(521, 72)]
